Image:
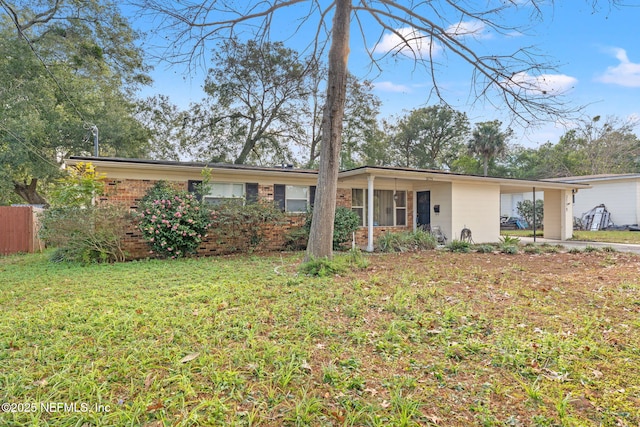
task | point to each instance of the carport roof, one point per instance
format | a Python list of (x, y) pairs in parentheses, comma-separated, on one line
[(507, 185)]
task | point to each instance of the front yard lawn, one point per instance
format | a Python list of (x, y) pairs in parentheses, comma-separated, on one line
[(429, 338)]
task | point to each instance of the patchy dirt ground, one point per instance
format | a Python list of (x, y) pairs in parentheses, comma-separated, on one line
[(527, 339)]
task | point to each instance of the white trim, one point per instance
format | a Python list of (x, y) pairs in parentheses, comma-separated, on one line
[(370, 179)]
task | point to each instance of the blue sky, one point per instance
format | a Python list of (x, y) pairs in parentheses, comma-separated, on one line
[(596, 54)]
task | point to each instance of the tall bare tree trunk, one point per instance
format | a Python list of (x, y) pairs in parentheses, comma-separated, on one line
[(321, 234)]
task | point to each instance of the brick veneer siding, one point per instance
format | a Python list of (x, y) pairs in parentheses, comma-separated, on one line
[(129, 192)]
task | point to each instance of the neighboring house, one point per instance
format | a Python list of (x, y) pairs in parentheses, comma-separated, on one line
[(385, 198), (619, 193)]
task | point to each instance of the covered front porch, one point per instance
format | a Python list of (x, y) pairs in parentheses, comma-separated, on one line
[(388, 198)]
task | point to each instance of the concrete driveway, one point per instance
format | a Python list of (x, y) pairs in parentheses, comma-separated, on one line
[(620, 247)]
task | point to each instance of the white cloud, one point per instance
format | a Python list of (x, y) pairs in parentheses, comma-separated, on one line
[(544, 84), (468, 28), (625, 74), (391, 87), (407, 41)]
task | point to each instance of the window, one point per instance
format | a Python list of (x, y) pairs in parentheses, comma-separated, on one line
[(383, 207), (223, 192), (296, 198), (389, 207), (293, 198), (359, 204)]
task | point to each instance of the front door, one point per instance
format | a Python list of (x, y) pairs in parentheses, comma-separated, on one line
[(423, 208)]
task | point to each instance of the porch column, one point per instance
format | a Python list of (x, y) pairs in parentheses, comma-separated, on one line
[(370, 179)]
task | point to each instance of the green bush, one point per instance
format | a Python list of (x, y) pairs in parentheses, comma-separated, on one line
[(532, 249), (509, 240), (244, 225), (345, 223), (172, 222), (485, 249), (79, 230), (459, 246), (509, 249), (85, 234), (323, 267), (548, 248), (406, 241), (509, 245)]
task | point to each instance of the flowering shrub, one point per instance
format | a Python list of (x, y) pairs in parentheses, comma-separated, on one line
[(172, 222)]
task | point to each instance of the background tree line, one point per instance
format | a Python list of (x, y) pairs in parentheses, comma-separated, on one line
[(66, 66)]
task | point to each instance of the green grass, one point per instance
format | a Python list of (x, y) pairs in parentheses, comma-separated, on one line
[(521, 233), (608, 236), (431, 338)]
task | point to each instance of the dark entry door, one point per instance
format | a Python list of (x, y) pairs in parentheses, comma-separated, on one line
[(423, 208)]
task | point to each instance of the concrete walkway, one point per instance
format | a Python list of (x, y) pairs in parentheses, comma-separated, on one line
[(620, 247)]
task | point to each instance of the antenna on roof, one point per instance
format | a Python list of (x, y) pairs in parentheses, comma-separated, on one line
[(94, 132)]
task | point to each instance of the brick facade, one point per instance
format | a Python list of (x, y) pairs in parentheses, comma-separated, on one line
[(128, 192)]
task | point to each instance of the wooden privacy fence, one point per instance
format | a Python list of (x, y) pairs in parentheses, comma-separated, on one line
[(19, 229)]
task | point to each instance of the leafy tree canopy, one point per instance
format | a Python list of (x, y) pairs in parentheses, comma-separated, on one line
[(66, 67)]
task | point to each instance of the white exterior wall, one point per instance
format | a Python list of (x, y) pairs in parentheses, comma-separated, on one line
[(620, 197), (476, 207), (558, 215)]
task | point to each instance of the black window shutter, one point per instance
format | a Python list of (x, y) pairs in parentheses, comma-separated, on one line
[(279, 191), (194, 187), (251, 192), (312, 195)]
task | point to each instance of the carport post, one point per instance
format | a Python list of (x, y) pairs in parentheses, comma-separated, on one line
[(534, 214)]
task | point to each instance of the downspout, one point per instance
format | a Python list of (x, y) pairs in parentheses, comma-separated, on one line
[(370, 179)]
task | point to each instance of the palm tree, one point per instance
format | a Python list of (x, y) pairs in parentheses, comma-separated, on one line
[(488, 141)]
